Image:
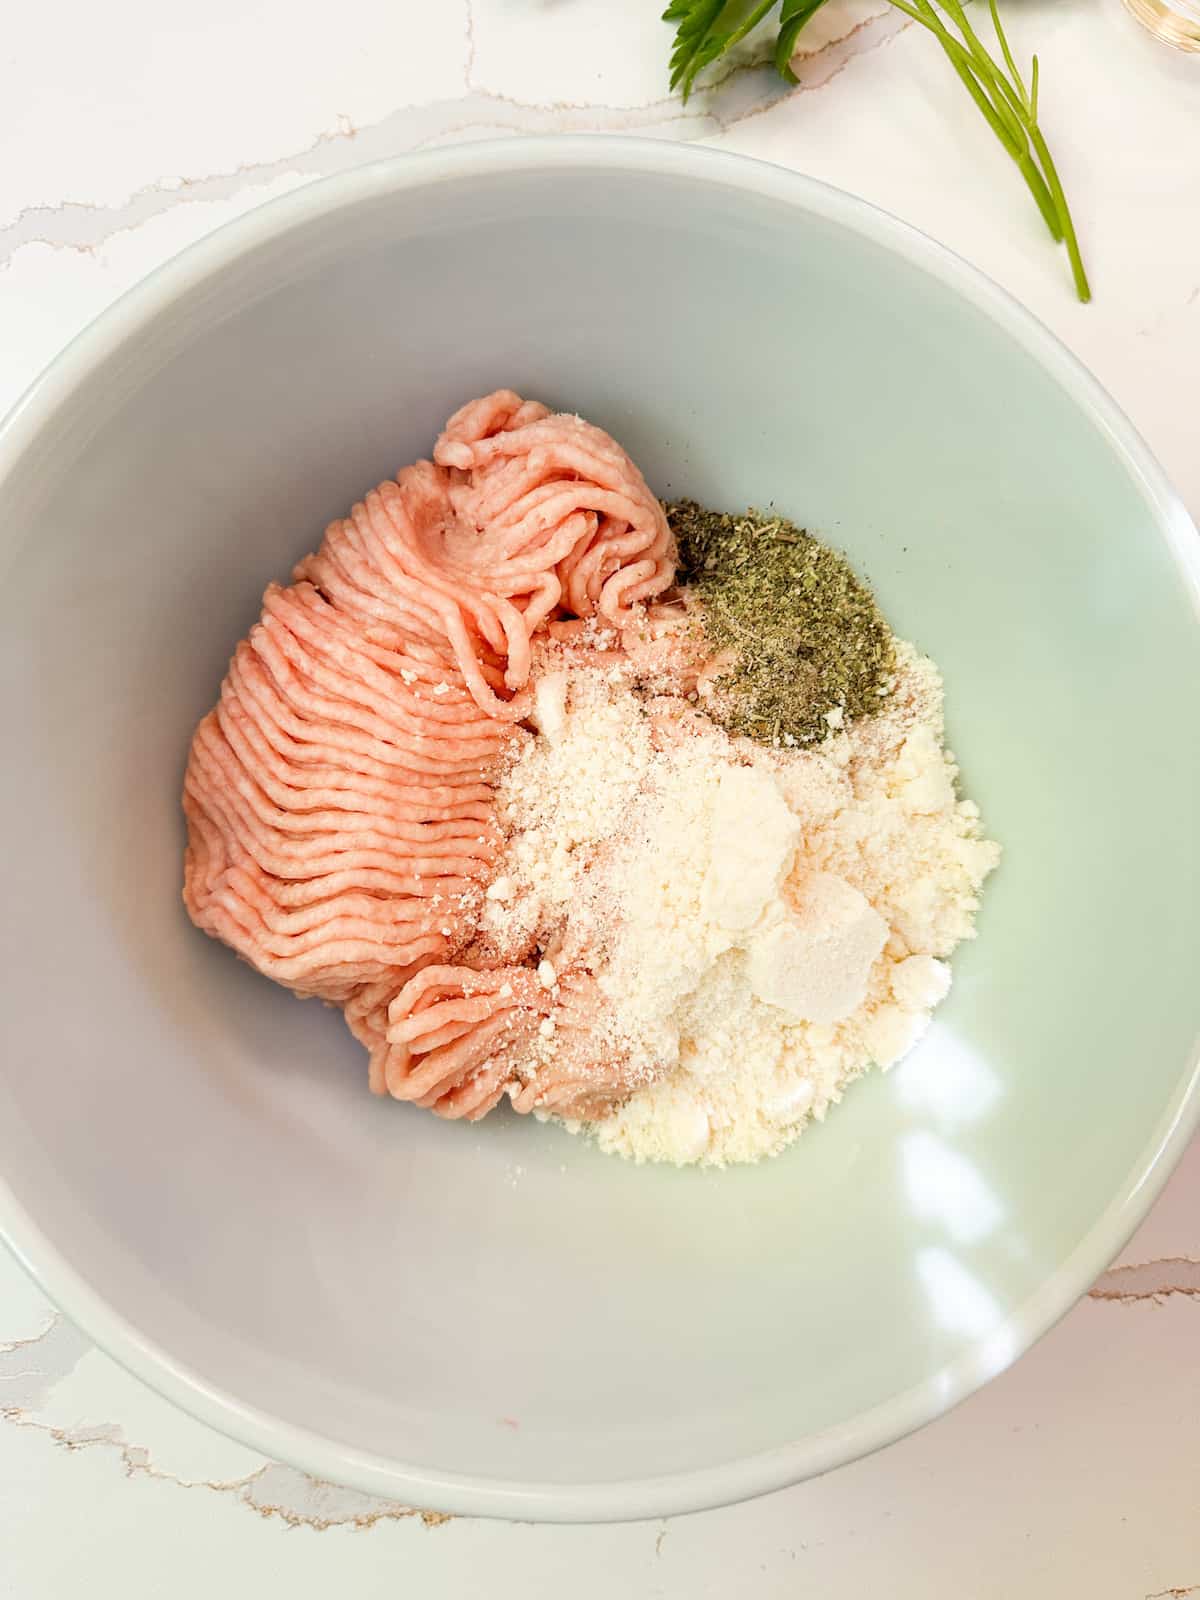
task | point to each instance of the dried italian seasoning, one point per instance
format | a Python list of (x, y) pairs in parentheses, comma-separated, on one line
[(808, 646)]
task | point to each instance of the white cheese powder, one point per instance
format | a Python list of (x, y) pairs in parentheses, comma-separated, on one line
[(765, 925)]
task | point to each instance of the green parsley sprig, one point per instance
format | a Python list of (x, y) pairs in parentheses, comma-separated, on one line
[(706, 30)]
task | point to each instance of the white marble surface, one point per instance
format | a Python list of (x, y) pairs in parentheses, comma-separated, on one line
[(130, 130)]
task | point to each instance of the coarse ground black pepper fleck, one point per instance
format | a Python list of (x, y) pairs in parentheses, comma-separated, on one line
[(804, 634)]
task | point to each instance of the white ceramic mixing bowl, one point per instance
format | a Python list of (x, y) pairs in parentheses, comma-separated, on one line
[(497, 1319)]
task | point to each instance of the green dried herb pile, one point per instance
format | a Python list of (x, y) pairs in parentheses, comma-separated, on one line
[(809, 646)]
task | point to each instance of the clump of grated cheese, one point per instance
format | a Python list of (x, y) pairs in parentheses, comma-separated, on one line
[(559, 801), (764, 925)]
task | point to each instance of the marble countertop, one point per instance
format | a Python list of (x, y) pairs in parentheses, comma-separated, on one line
[(128, 133)]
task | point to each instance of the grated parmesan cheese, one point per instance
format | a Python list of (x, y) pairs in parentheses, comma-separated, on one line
[(763, 924)]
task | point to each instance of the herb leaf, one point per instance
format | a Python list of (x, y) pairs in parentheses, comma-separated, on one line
[(705, 30), (792, 17)]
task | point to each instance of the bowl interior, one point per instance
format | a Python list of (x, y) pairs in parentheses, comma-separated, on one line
[(497, 1317)]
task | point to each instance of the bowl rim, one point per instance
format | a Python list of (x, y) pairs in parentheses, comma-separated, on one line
[(463, 1493)]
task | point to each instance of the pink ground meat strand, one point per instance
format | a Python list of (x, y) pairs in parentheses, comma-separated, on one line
[(339, 795)]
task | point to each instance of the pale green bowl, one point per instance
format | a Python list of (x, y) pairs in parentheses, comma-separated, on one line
[(497, 1319)]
